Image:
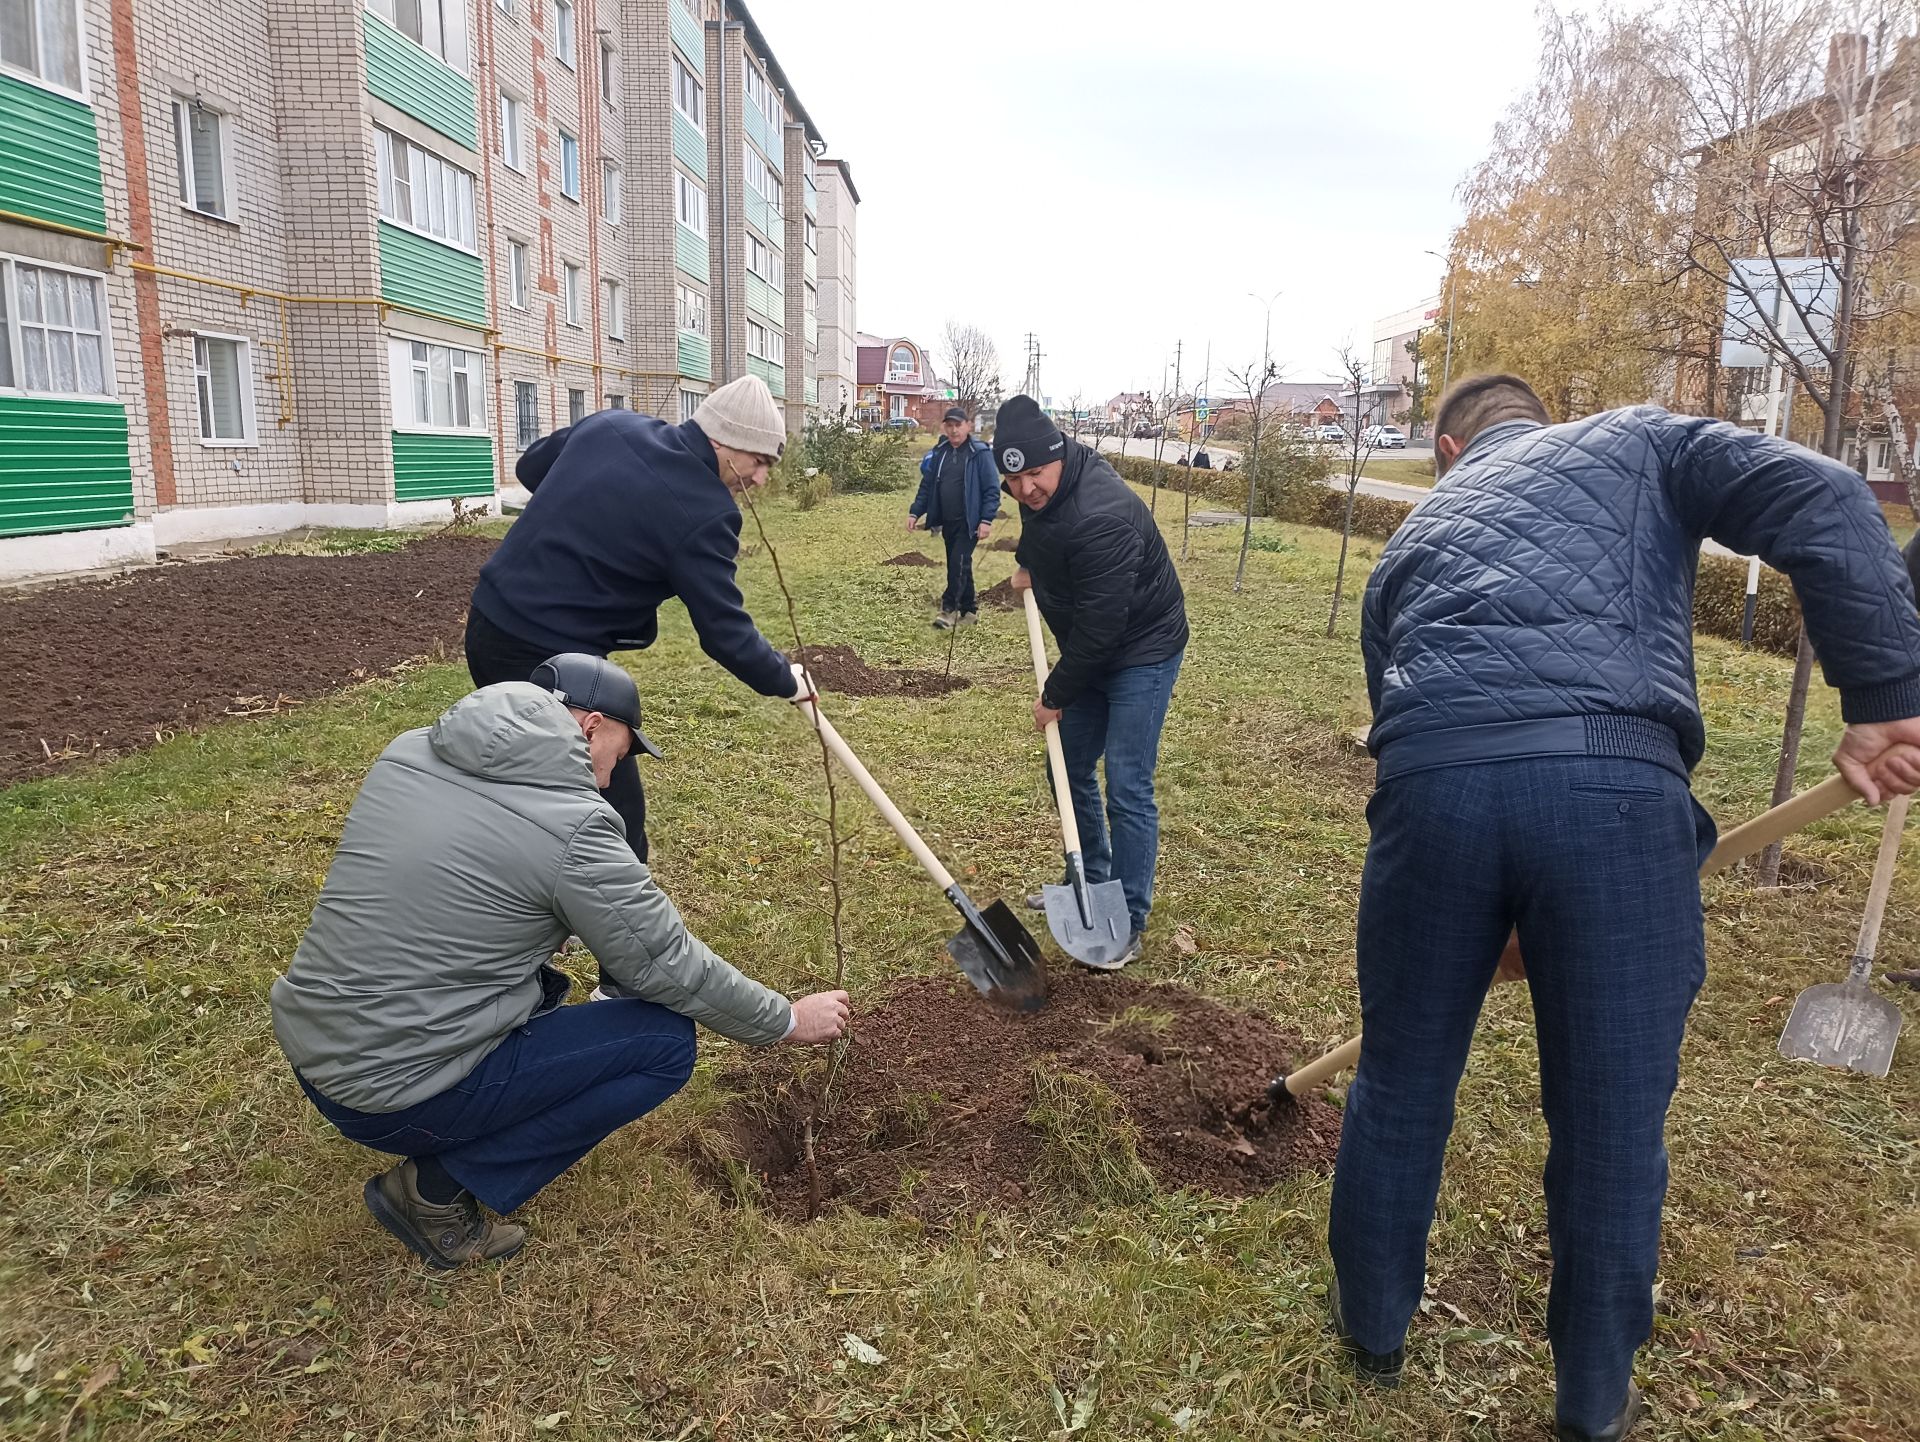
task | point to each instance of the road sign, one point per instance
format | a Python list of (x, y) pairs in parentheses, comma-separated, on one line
[(1805, 322)]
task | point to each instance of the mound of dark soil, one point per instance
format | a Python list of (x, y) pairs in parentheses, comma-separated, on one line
[(910, 558), (101, 666), (1004, 543), (1001, 597), (839, 668), (936, 1111)]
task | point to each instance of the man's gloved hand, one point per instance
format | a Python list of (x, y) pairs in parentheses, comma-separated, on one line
[(804, 689), (820, 1017), (1881, 758)]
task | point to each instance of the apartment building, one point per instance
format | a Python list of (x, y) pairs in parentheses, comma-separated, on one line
[(837, 363), (275, 264)]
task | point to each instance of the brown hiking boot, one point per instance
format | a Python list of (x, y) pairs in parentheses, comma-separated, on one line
[(443, 1235)]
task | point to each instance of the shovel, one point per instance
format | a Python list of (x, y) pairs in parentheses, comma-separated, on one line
[(1816, 803), (996, 953), (1089, 921), (1842, 1023)]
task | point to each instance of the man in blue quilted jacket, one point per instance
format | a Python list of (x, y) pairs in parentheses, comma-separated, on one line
[(1529, 650)]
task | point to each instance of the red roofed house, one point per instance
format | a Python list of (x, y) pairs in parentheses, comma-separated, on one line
[(897, 381)]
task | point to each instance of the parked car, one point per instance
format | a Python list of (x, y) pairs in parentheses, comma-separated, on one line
[(903, 423), (1385, 438), (1145, 432), (1337, 435)]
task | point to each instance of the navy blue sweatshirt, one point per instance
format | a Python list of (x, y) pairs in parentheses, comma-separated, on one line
[(626, 511)]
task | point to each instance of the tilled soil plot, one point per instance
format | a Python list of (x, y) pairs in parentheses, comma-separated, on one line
[(910, 558), (100, 667), (948, 1104), (839, 668)]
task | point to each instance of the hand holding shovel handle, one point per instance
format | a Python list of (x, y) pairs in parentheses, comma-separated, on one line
[(1814, 804)]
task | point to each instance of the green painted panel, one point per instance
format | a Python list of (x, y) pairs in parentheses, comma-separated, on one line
[(762, 134), (689, 146), (775, 376), (63, 466), (763, 218), (689, 36), (696, 356), (49, 157), (409, 79), (434, 467), (689, 252), (763, 300), (432, 277)]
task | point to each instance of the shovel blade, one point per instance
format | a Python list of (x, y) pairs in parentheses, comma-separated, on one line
[(1099, 943), (1001, 959), (1842, 1024)]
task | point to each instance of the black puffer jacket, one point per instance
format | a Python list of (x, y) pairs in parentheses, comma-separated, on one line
[(1550, 575), (1913, 561), (1102, 576)]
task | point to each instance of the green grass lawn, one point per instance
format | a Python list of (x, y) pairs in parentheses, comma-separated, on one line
[(183, 1248), (1404, 470)]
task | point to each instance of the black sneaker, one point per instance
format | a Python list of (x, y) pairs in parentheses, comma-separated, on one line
[(1616, 1429), (442, 1234), (1382, 1369)]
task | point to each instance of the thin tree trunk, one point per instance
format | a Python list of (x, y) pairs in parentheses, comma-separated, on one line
[(1767, 873), (1340, 575), (1253, 481)]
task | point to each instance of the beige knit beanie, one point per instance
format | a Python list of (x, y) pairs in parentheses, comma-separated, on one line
[(742, 414)]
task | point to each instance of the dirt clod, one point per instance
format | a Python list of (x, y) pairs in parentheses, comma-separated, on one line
[(1001, 596), (1004, 543), (839, 668), (910, 558), (100, 667), (946, 1103)]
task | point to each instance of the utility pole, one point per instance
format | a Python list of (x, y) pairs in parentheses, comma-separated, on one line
[(1031, 385)]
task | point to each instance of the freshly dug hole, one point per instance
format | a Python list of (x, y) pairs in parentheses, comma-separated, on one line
[(947, 1104), (839, 668)]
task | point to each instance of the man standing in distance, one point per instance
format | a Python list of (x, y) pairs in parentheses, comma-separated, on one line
[(1528, 635), (1106, 586), (959, 497)]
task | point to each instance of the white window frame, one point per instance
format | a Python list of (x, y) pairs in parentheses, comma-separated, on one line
[(243, 364), (609, 73), (773, 343), (10, 333), (513, 131), (760, 93), (565, 38), (615, 297), (402, 366), (571, 277), (519, 273), (611, 197), (568, 138), (688, 195), (78, 12), (691, 311), (810, 234), (441, 20), (576, 405), (689, 95), (766, 262), (505, 7), (689, 403), (421, 186), (183, 107)]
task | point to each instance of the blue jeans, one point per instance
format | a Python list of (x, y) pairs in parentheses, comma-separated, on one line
[(537, 1103), (1595, 861), (1120, 717)]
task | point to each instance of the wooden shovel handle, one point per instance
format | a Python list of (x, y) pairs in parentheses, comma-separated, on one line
[(1816, 803), (1882, 877), (1056, 755), (904, 829)]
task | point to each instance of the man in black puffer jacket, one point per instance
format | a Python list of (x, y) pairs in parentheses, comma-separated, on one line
[(1913, 560), (1529, 646), (1107, 589)]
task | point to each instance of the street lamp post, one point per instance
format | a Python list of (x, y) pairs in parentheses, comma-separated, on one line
[(1446, 364)]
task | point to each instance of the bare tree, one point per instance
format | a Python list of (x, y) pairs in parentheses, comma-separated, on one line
[(1076, 405), (1253, 379), (974, 363), (1359, 451)]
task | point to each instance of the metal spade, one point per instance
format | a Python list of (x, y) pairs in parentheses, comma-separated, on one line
[(1089, 920), (1843, 1023), (994, 951)]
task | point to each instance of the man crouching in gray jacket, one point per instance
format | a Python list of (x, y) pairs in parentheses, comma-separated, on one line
[(420, 1013)]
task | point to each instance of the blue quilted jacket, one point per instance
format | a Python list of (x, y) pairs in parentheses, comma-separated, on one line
[(1540, 601)]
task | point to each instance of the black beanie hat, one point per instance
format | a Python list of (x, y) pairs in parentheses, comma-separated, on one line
[(1023, 437)]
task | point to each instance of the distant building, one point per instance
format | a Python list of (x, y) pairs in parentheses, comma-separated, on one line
[(1396, 371), (838, 360), (897, 382)]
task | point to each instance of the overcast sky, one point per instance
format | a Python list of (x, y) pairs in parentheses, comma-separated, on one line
[(1118, 176)]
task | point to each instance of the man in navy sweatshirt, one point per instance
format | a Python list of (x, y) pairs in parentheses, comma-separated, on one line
[(628, 511)]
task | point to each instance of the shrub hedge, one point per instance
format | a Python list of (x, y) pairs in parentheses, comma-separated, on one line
[(1720, 592)]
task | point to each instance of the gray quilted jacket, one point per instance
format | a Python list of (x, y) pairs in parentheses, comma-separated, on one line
[(474, 848), (1545, 589)]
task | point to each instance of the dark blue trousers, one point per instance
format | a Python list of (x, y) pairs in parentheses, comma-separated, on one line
[(958, 597), (540, 1101), (1595, 861)]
